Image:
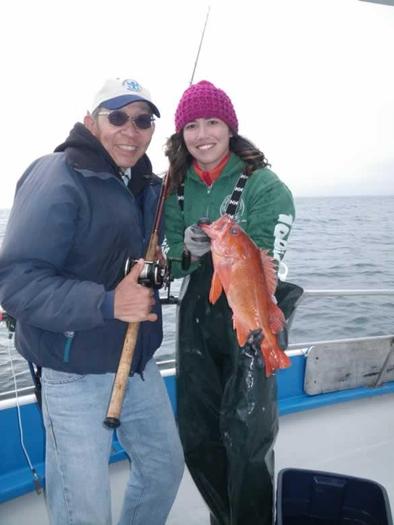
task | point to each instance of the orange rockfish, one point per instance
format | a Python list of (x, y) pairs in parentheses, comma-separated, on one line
[(248, 277)]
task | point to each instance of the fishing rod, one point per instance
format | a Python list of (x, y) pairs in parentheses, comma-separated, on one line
[(200, 45), (152, 275)]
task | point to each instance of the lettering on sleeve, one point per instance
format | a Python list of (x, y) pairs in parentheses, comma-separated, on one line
[(281, 232)]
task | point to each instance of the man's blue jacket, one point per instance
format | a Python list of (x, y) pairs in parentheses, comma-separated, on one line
[(71, 229)]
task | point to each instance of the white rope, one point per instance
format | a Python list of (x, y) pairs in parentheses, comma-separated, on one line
[(36, 479)]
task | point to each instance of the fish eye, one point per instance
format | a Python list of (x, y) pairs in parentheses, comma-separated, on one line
[(234, 230)]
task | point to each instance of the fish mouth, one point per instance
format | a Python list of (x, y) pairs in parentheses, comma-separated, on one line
[(208, 229), (215, 229), (212, 232)]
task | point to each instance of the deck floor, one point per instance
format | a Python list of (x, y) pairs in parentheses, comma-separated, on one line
[(353, 438)]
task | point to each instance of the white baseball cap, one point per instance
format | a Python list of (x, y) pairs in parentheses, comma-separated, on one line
[(117, 93)]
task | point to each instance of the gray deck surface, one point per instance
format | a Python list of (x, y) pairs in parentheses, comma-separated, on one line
[(354, 438)]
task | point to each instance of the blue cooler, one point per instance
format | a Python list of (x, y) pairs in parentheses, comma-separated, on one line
[(307, 497)]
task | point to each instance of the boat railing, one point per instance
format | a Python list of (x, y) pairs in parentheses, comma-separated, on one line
[(25, 395), (341, 292)]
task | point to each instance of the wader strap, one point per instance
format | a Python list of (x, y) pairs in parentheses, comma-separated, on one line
[(180, 194), (234, 199), (236, 195)]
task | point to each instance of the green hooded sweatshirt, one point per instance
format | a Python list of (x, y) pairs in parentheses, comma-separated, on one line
[(266, 210)]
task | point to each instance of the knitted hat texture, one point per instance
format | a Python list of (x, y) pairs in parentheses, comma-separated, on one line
[(204, 100)]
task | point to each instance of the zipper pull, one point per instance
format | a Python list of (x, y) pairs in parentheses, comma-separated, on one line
[(67, 345)]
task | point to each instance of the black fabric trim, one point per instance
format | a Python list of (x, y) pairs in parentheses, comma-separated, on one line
[(236, 195)]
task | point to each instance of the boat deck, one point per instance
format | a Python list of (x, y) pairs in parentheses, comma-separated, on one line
[(353, 438)]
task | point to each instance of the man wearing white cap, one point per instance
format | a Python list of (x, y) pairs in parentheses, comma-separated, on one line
[(79, 214)]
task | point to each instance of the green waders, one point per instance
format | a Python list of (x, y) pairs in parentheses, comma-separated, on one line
[(227, 409)]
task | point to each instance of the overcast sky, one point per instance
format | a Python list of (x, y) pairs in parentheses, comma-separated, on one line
[(312, 81)]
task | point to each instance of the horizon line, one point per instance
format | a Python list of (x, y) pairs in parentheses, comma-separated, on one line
[(303, 196)]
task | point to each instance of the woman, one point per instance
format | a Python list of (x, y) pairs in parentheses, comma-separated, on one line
[(227, 410)]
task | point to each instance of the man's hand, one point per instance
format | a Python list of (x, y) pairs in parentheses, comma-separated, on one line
[(196, 241), (133, 302)]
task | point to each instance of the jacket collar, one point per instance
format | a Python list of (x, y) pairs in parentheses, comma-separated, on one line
[(234, 165)]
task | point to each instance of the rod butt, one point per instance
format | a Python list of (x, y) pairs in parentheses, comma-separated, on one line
[(112, 422)]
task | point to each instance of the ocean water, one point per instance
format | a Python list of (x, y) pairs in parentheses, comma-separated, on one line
[(336, 243)]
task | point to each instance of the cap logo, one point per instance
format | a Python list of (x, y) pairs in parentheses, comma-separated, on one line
[(131, 85)]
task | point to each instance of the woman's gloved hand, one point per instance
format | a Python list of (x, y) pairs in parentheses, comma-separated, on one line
[(197, 243)]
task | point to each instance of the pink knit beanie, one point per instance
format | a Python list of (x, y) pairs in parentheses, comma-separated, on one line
[(204, 100)]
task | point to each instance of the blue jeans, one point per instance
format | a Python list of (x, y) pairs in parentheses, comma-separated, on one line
[(78, 447)]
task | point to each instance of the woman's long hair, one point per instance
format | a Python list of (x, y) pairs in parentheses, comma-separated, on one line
[(180, 159)]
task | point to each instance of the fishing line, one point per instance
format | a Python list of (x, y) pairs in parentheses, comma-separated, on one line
[(36, 478)]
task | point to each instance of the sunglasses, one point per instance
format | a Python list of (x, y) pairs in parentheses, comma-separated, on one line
[(119, 118)]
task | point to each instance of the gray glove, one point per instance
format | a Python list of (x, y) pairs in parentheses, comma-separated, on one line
[(196, 241)]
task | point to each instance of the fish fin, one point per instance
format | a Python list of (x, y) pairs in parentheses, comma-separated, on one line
[(226, 275), (269, 269), (276, 318), (274, 357), (216, 288), (242, 334)]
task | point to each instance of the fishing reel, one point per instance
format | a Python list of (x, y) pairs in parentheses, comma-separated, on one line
[(153, 274)]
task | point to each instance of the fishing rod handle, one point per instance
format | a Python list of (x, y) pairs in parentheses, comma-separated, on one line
[(112, 419)]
